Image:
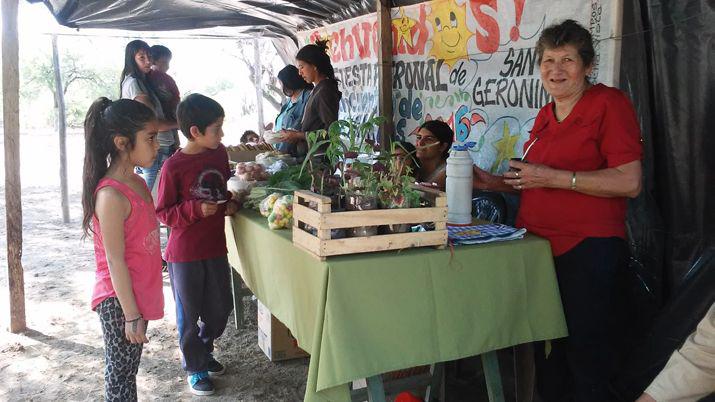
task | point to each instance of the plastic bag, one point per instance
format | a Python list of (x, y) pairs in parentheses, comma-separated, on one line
[(282, 214), (266, 206)]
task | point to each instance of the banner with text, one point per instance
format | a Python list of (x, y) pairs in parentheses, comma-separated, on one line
[(470, 63), (353, 51)]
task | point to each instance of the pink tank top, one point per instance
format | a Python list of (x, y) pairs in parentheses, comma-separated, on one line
[(142, 253)]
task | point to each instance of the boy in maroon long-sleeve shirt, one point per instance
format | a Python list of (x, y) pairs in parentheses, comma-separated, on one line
[(192, 201)]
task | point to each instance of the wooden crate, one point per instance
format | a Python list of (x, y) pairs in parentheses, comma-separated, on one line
[(321, 218)]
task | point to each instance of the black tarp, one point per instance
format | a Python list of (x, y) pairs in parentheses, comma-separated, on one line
[(247, 17)]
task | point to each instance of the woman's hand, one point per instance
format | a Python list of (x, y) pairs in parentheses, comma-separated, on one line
[(135, 330), (291, 136), (529, 175)]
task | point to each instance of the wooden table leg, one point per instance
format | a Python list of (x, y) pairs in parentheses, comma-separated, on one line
[(375, 389), (236, 286), (434, 391), (492, 376), (524, 375)]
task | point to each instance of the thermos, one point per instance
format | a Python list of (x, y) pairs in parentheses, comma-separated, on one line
[(459, 186)]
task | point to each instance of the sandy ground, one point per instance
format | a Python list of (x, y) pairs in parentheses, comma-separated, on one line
[(60, 357)]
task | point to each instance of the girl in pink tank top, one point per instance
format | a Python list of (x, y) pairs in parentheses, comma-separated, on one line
[(119, 214)]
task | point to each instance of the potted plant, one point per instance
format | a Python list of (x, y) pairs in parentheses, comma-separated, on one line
[(395, 187), (361, 184)]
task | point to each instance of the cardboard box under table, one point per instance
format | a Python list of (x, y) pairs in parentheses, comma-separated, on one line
[(362, 315), (274, 338)]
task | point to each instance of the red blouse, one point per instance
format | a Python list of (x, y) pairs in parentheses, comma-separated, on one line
[(601, 132)]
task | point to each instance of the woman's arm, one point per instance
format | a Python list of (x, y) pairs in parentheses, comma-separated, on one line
[(163, 124), (483, 180), (620, 181), (112, 209)]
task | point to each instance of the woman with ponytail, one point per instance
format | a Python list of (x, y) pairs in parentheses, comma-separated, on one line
[(134, 85), (119, 215), (321, 108)]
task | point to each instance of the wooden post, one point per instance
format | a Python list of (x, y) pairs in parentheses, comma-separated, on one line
[(13, 206), (384, 61), (62, 127), (257, 82)]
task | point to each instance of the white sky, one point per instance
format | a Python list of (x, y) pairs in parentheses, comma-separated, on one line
[(197, 64)]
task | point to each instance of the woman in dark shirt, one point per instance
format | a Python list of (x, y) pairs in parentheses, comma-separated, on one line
[(321, 109)]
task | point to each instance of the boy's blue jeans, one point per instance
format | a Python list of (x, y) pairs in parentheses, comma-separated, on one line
[(149, 174), (202, 292)]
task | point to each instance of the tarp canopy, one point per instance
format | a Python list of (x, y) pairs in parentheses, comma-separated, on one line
[(246, 17)]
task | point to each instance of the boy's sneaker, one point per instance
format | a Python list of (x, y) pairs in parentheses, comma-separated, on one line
[(215, 368), (200, 384)]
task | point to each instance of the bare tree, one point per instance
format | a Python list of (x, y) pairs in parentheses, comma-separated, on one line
[(269, 79)]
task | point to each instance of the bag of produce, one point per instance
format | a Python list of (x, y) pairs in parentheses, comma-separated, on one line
[(251, 171), (282, 214), (266, 206)]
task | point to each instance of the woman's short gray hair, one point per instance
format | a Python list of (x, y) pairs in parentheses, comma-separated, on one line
[(568, 32)]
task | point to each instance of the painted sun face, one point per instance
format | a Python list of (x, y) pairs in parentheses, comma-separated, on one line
[(450, 31)]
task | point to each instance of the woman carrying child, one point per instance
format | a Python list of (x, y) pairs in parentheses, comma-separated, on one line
[(135, 85), (119, 214)]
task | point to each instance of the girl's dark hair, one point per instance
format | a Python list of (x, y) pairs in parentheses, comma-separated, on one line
[(442, 131), (130, 66), (106, 120), (317, 55), (568, 32), (290, 79)]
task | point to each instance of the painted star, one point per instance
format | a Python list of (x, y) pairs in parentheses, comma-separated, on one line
[(505, 147), (403, 26)]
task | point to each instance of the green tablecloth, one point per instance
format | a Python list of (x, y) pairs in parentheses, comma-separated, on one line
[(365, 314)]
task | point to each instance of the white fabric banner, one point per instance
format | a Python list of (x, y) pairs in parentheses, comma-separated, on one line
[(470, 63)]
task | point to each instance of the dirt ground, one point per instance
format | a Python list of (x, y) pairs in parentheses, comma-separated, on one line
[(60, 357)]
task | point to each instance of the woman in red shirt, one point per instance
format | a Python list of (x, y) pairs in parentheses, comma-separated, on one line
[(584, 161)]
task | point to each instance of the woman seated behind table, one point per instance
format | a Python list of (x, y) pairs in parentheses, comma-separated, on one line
[(433, 141), (290, 117), (584, 161), (405, 158)]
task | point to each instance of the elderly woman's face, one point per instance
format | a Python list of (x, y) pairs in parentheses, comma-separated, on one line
[(562, 71)]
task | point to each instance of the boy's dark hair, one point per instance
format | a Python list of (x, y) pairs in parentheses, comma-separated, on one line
[(248, 133), (158, 52), (568, 32), (197, 110)]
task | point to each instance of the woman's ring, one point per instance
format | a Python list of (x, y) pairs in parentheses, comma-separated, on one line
[(516, 174)]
